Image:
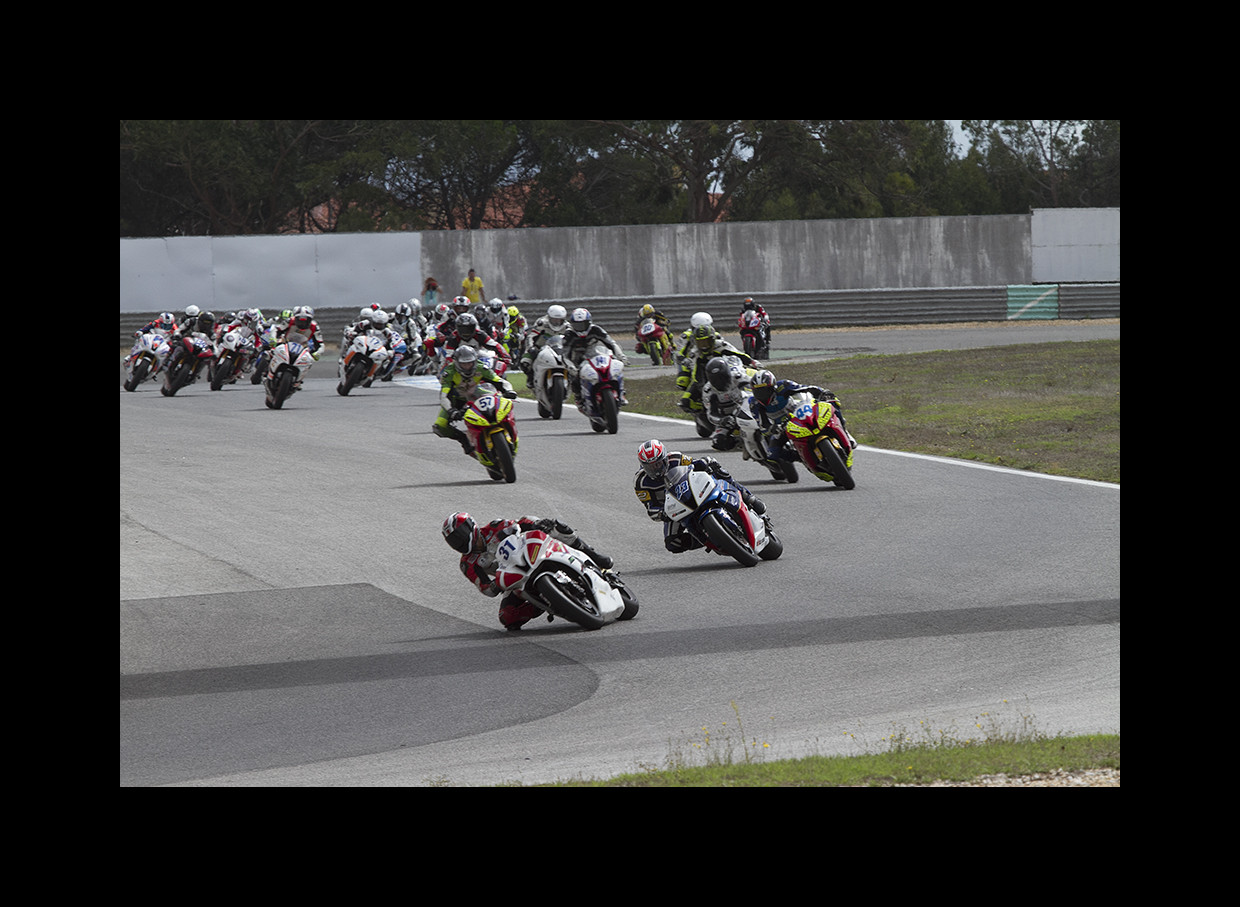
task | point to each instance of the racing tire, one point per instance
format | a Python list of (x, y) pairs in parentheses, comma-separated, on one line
[(830, 461), (501, 455), (223, 371), (722, 538), (568, 602), (138, 376), (352, 375), (774, 547), (611, 411), (555, 397), (283, 387)]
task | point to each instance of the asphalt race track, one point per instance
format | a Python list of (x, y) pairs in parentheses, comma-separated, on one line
[(290, 614)]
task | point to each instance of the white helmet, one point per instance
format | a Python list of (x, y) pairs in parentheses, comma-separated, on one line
[(697, 319), (556, 315), (191, 311)]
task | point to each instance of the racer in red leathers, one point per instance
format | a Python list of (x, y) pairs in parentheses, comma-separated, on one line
[(478, 544)]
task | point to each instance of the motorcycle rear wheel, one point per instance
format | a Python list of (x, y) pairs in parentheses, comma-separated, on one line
[(567, 602), (721, 537)]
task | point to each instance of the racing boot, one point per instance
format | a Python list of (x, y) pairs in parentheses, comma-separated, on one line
[(602, 560), (754, 503)]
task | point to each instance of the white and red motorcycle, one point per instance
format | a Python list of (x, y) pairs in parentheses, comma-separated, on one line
[(602, 387), (367, 354), (150, 352), (562, 581), (290, 361)]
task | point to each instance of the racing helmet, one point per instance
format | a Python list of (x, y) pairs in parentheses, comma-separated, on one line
[(580, 322), (461, 533), (206, 322), (556, 315), (402, 313), (719, 373), (466, 359), (697, 319), (652, 456), (763, 386), (466, 326), (460, 304), (646, 311), (191, 311), (704, 337)]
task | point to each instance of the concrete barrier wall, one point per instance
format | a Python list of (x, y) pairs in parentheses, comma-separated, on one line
[(816, 273)]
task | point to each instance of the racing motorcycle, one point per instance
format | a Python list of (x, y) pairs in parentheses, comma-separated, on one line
[(398, 360), (713, 512), (150, 351), (815, 430), (602, 384), (186, 363), (777, 454), (366, 355), (562, 581), (492, 429), (290, 361), (550, 378), (652, 339), (232, 353), (753, 337)]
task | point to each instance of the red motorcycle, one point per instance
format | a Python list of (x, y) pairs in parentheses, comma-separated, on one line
[(820, 440), (753, 335), (189, 359), (653, 339)]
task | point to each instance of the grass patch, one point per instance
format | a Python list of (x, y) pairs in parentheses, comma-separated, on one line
[(992, 745), (1045, 407)]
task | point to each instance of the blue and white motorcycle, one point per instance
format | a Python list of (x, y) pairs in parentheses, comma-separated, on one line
[(713, 512)]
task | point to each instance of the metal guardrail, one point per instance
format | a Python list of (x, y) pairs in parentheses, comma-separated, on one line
[(802, 308)]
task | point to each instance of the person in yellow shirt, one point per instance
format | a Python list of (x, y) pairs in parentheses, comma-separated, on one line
[(471, 286)]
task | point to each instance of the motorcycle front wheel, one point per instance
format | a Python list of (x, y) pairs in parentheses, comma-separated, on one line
[(283, 387), (611, 411), (555, 396), (138, 376), (722, 535), (501, 455), (831, 461), (223, 371), (568, 602)]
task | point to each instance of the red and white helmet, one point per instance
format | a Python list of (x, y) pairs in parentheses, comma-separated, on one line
[(653, 457), (461, 533)]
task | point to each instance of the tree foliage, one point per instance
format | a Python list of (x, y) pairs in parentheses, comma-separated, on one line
[(232, 177)]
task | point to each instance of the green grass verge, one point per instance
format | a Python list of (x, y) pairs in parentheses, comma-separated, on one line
[(1045, 407)]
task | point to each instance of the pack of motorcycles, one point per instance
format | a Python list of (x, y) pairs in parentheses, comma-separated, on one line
[(563, 581)]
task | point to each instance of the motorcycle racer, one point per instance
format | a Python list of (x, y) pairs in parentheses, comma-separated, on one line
[(477, 546), (771, 402), (706, 344), (554, 322), (649, 486), (727, 385), (458, 380), (748, 305), (582, 333), (649, 311)]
